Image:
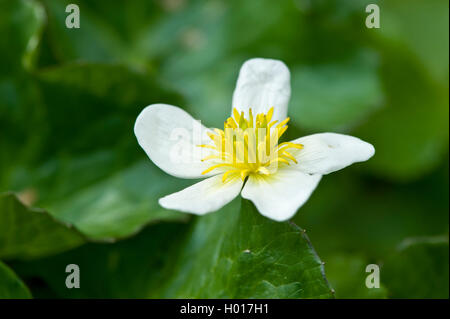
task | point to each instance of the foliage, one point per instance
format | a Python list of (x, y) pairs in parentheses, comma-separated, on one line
[(10, 285), (69, 98)]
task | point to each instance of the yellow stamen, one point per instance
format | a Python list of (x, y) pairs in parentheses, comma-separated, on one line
[(249, 146)]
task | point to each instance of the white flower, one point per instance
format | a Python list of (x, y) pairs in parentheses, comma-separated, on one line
[(278, 181)]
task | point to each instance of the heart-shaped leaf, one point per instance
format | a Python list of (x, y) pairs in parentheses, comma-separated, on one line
[(241, 254)]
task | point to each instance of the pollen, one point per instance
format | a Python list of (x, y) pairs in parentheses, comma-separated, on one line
[(249, 146)]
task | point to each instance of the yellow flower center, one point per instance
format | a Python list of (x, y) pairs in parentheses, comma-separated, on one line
[(249, 146)]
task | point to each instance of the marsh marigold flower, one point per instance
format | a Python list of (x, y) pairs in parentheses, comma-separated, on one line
[(247, 155)]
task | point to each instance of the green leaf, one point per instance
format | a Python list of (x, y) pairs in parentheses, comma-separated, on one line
[(107, 33), (21, 24), (335, 97), (66, 141), (136, 267), (410, 133), (84, 164), (29, 232), (231, 253), (422, 27), (11, 287), (418, 269), (92, 42), (21, 112), (240, 254), (347, 275), (117, 205), (352, 214)]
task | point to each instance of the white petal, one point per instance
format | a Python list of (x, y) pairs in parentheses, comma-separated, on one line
[(280, 195), (169, 136), (328, 152), (204, 197), (263, 83)]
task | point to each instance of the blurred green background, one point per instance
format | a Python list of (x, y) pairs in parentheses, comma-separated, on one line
[(69, 99)]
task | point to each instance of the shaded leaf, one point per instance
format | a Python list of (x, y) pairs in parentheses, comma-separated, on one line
[(418, 269), (352, 214), (11, 287), (347, 275), (410, 133), (109, 31), (21, 24), (132, 268), (29, 232), (84, 164), (227, 254), (92, 42), (335, 97), (422, 27), (120, 204)]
